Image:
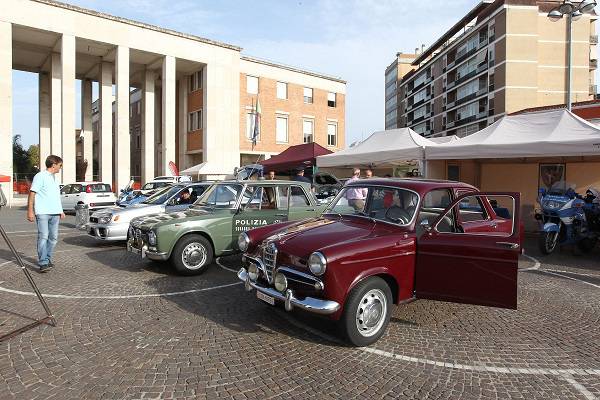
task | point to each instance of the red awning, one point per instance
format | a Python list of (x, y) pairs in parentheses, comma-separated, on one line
[(4, 178), (295, 156)]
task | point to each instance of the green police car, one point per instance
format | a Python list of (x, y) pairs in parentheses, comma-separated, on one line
[(211, 226)]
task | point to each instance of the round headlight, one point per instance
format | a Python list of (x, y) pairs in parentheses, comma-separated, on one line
[(152, 238), (253, 272), (243, 241), (280, 282), (105, 220), (317, 263)]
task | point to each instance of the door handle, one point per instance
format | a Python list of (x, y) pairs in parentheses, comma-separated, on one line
[(510, 245), (494, 225), (311, 209), (280, 215)]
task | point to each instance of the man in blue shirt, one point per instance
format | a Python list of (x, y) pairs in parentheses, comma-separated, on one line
[(299, 177), (44, 207)]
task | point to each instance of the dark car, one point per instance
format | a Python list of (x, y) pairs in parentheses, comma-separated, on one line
[(408, 239)]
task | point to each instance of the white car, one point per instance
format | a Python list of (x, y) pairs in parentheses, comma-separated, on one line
[(93, 194), (173, 179), (113, 223)]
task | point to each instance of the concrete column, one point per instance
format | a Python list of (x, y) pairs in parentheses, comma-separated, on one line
[(55, 105), (68, 108), (86, 127), (182, 115), (105, 136), (168, 113), (6, 133), (44, 118), (148, 127), (221, 114), (122, 137)]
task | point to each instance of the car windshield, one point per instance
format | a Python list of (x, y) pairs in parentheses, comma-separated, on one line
[(222, 195), (325, 179), (248, 172), (162, 196), (97, 188), (154, 185), (388, 204)]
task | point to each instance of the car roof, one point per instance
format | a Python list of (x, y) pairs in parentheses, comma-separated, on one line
[(87, 183), (415, 184), (266, 182)]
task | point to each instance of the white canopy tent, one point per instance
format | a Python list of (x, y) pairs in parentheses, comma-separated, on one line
[(557, 133), (205, 168), (382, 149)]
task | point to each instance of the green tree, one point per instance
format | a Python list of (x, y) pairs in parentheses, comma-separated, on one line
[(34, 156), (21, 161)]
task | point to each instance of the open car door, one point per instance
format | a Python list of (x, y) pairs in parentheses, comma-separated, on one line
[(470, 267)]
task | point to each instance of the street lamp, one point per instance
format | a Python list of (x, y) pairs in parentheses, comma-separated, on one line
[(573, 11)]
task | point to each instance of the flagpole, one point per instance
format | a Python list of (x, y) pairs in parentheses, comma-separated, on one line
[(252, 124)]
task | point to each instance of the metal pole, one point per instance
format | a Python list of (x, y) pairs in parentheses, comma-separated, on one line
[(569, 59)]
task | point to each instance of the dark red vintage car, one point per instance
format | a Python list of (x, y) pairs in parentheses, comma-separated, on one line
[(384, 241)]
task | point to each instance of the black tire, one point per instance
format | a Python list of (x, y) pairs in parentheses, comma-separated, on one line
[(373, 288), (587, 245), (547, 242), (198, 255)]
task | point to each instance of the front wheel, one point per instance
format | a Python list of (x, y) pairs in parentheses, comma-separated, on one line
[(547, 242), (192, 255), (366, 312)]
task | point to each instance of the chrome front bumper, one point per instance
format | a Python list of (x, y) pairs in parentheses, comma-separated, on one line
[(144, 252), (316, 306)]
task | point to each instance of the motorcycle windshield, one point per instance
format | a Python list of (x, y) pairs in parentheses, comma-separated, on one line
[(561, 188)]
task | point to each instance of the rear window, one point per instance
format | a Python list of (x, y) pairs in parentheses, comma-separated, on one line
[(98, 188)]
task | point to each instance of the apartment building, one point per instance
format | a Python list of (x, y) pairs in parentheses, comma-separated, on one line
[(394, 73), (295, 106), (502, 57)]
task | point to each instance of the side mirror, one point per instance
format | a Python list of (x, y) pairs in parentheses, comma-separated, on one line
[(425, 225)]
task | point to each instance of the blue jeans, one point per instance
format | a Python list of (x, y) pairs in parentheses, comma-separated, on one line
[(47, 226)]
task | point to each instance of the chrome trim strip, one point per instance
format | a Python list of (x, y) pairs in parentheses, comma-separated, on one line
[(313, 280), (310, 304)]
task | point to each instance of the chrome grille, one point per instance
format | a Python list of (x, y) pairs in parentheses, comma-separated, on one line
[(270, 260)]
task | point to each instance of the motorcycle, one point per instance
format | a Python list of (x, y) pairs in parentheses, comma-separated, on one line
[(563, 218)]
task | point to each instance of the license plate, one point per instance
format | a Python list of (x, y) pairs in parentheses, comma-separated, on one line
[(267, 299)]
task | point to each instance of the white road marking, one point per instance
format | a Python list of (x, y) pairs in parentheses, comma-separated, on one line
[(60, 230), (569, 277), (218, 261), (536, 264), (588, 395), (566, 374), (132, 296)]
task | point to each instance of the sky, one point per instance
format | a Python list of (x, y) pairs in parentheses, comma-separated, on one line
[(351, 39)]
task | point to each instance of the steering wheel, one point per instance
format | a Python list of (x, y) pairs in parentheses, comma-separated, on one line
[(397, 214)]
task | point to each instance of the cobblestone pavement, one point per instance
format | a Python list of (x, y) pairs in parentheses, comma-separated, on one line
[(132, 329)]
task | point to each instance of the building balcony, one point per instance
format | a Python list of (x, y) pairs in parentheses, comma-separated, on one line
[(464, 55), (467, 76), (420, 102), (593, 63), (593, 90), (419, 86), (468, 97), (593, 39)]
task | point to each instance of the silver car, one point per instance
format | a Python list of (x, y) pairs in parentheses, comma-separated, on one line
[(113, 223)]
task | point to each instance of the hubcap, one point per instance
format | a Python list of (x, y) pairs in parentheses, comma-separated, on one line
[(194, 256), (371, 311)]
